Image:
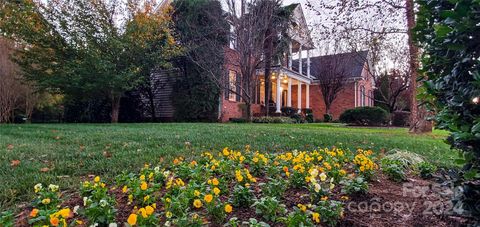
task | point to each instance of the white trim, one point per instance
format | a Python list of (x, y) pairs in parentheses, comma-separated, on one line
[(300, 65), (299, 96), (289, 93), (308, 64), (307, 96), (290, 53), (279, 95), (355, 91)]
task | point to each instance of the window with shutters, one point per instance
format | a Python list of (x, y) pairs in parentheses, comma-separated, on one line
[(232, 84)]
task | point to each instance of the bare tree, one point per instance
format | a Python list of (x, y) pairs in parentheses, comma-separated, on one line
[(391, 89), (249, 31), (384, 28), (9, 82), (332, 75)]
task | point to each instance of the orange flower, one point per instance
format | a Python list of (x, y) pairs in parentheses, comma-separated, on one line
[(54, 221), (208, 198), (228, 208), (132, 219), (34, 213), (144, 186)]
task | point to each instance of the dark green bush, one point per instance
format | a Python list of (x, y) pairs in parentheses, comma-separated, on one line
[(289, 111), (327, 118), (238, 120), (299, 118), (400, 118), (309, 115), (365, 116), (447, 32)]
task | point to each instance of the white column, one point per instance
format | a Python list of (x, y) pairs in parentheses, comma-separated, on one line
[(307, 98), (290, 57), (308, 64), (279, 94), (289, 94), (355, 91), (300, 65), (299, 97)]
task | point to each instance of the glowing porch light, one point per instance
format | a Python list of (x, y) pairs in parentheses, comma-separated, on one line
[(476, 100)]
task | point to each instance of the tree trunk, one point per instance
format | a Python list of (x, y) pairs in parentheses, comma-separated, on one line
[(268, 65), (115, 107), (248, 110), (418, 122), (151, 98)]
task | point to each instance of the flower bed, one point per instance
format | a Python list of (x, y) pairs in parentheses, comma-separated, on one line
[(233, 188)]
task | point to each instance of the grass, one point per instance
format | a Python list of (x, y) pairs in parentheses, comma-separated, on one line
[(68, 153)]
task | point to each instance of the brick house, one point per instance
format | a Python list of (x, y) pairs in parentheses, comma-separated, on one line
[(295, 83)]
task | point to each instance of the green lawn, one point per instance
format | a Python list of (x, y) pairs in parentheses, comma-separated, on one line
[(73, 151)]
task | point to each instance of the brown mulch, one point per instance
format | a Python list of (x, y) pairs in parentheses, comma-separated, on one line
[(417, 202)]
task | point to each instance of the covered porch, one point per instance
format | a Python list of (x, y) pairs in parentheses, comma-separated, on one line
[(289, 89)]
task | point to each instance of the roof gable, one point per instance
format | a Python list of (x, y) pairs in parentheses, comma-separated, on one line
[(299, 30), (350, 64)]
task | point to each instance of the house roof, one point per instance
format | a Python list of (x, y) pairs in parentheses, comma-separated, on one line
[(299, 30), (350, 64)]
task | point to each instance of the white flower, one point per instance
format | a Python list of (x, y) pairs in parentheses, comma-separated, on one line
[(317, 187), (314, 172), (94, 225), (112, 225), (75, 209), (103, 203), (53, 187), (166, 173), (157, 169), (85, 199), (323, 176)]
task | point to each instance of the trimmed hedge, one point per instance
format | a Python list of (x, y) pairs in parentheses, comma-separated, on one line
[(365, 116), (309, 115), (327, 118), (400, 118)]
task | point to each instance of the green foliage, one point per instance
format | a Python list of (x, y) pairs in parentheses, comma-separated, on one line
[(297, 218), (327, 117), (269, 120), (394, 169), (371, 116), (252, 222), (202, 30), (331, 211), (238, 120), (242, 196), (75, 47), (269, 207), (98, 205), (309, 115), (408, 160), (426, 169), (289, 111), (6, 219), (274, 187), (400, 118), (357, 185), (447, 32)]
